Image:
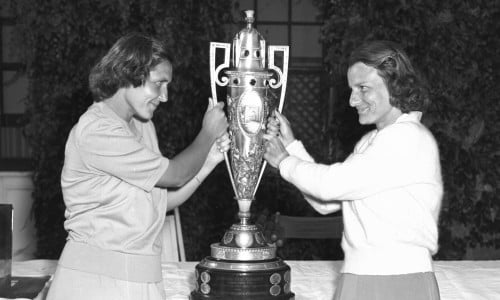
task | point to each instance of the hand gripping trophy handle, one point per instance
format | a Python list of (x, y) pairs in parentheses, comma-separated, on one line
[(282, 79), (214, 80)]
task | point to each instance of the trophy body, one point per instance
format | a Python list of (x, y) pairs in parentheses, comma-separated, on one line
[(244, 265)]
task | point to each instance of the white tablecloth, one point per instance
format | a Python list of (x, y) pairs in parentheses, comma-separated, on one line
[(315, 280)]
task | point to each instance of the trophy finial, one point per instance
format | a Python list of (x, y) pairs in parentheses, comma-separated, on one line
[(249, 47), (249, 18)]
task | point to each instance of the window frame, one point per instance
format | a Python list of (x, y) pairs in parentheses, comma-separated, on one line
[(12, 120), (295, 62)]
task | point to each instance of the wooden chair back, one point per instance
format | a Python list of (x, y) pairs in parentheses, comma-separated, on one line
[(288, 227), (173, 242)]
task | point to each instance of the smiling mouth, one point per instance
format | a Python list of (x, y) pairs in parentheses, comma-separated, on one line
[(363, 110)]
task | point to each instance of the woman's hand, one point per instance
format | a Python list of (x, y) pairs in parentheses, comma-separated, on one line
[(278, 125), (216, 153), (275, 150), (215, 122)]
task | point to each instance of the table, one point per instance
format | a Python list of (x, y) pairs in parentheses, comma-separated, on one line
[(315, 280)]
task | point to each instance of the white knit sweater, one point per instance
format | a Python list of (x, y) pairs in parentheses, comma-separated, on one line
[(390, 192)]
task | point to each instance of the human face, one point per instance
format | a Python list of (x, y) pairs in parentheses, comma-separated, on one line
[(370, 96), (143, 100)]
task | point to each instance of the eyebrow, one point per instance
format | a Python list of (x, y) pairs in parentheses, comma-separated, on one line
[(360, 83), (152, 78)]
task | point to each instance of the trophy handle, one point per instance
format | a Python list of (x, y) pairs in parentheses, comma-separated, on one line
[(214, 72), (214, 81), (282, 76), (282, 79)]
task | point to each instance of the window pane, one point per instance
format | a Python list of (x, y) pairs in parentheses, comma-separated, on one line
[(13, 145), (272, 10), (304, 11), (305, 41), (15, 86), (274, 34), (4, 10), (10, 54)]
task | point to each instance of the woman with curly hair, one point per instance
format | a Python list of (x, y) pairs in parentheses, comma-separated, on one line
[(116, 184), (389, 188)]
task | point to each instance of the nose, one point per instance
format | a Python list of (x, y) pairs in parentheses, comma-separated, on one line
[(163, 93), (354, 99)]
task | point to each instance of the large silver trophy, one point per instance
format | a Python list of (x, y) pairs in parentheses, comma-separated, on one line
[(244, 265)]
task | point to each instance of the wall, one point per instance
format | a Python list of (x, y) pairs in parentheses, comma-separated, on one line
[(16, 189)]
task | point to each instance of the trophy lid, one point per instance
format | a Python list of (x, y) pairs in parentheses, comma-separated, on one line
[(249, 47)]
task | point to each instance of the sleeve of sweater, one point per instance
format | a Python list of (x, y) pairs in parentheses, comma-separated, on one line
[(107, 146), (398, 155), (297, 149)]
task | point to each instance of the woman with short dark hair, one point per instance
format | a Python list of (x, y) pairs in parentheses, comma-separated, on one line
[(116, 184), (408, 90), (389, 188)]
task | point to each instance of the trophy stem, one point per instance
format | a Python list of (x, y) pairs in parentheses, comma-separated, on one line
[(244, 210), (260, 177), (228, 166)]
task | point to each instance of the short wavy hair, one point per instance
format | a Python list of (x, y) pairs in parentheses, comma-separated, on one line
[(127, 63), (408, 90)]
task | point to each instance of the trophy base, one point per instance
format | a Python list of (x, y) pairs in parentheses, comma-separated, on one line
[(249, 280)]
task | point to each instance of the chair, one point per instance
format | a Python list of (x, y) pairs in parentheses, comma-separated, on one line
[(173, 243), (288, 227)]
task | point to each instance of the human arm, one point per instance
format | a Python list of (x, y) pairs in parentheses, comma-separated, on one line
[(216, 154), (275, 153), (278, 136), (278, 125), (275, 149), (188, 163), (395, 157), (297, 149)]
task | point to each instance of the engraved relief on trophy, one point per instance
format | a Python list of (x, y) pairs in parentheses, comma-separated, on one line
[(251, 113), (247, 124)]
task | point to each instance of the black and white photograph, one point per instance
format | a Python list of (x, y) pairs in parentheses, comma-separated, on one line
[(250, 150)]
